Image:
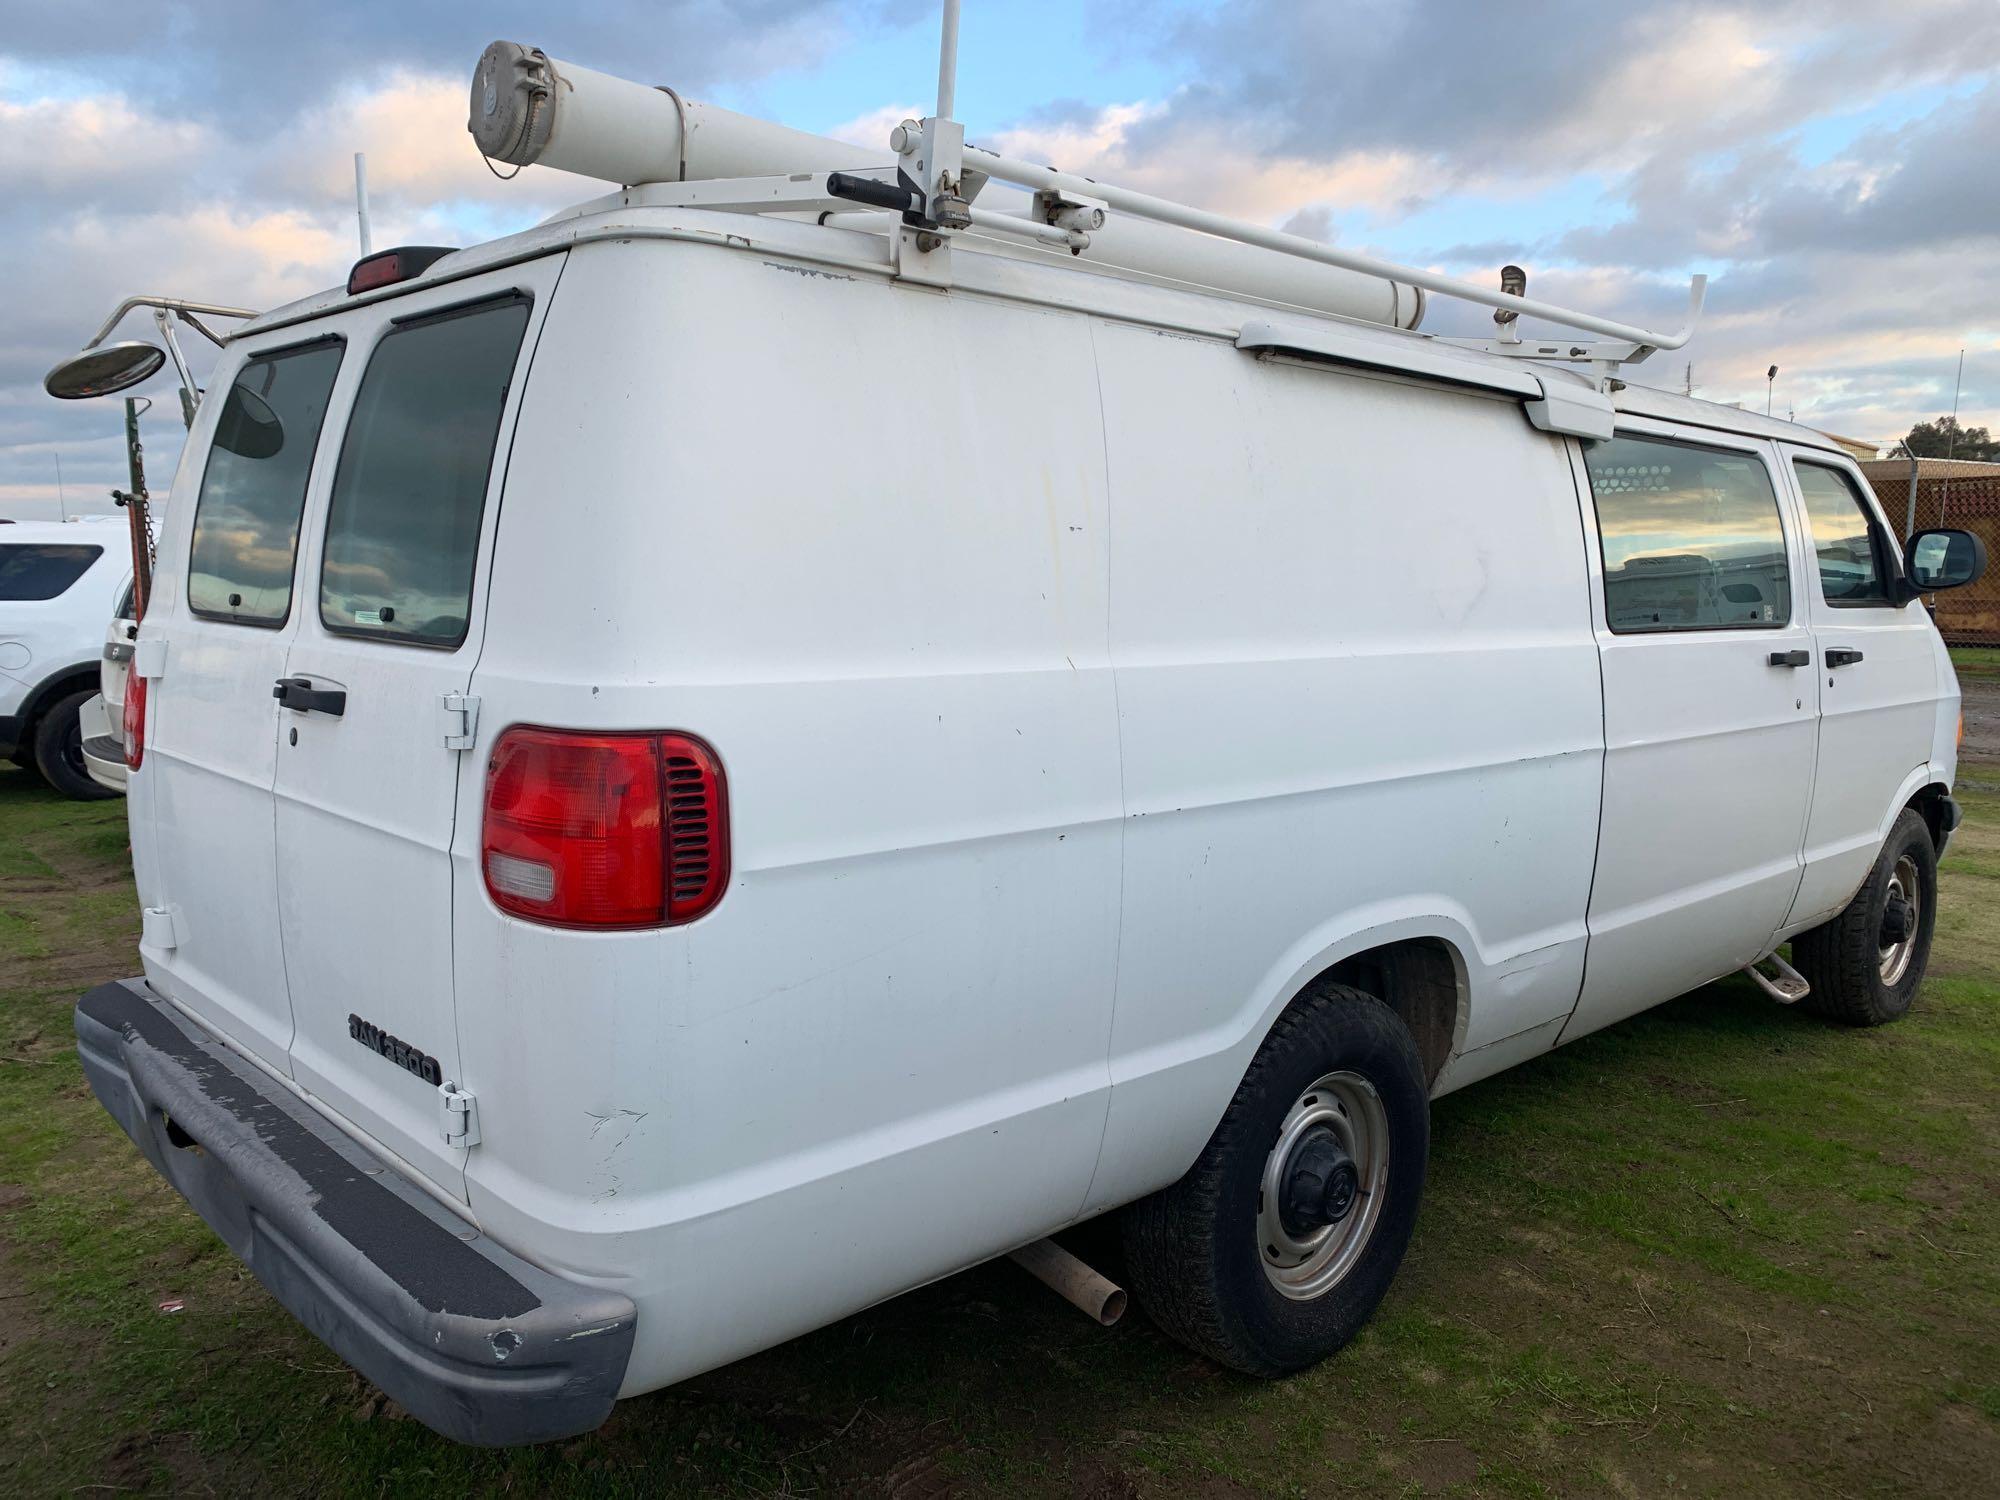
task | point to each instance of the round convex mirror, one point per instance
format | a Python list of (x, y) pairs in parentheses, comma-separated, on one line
[(103, 370)]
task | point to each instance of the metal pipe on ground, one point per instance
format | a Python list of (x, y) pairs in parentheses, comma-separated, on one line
[(1072, 1280)]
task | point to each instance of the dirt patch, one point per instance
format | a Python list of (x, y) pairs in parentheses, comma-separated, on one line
[(1982, 725)]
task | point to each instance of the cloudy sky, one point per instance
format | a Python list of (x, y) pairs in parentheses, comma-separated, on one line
[(1833, 165)]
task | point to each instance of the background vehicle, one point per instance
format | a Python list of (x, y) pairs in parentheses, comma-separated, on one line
[(686, 896), (59, 583), (103, 719)]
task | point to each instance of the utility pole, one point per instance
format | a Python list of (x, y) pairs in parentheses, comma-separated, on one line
[(1951, 438), (62, 504), (1770, 387)]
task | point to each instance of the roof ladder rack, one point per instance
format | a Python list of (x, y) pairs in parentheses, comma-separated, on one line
[(942, 175)]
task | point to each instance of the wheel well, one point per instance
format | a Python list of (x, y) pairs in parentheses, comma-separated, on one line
[(1929, 804), (57, 687), (1420, 980)]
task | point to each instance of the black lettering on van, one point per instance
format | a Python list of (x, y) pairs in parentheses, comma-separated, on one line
[(395, 1049)]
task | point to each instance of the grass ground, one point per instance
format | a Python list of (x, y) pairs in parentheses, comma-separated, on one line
[(1719, 1249), (1976, 661)]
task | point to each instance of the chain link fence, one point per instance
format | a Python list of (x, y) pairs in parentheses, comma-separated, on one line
[(1970, 501)]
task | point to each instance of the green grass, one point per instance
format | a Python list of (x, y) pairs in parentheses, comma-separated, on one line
[(1976, 661), (1719, 1249)]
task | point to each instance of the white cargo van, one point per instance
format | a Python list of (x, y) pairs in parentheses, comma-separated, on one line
[(697, 773)]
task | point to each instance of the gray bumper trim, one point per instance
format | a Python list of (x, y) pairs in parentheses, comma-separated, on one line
[(471, 1339)]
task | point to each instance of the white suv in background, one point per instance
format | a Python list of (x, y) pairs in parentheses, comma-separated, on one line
[(59, 583)]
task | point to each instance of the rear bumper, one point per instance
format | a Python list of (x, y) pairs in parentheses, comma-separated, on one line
[(471, 1339), (103, 752), (104, 758)]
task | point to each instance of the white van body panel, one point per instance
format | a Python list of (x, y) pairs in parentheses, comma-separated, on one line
[(907, 991), (1086, 687), (1356, 700)]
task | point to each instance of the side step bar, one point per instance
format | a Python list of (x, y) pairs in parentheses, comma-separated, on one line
[(1788, 986)]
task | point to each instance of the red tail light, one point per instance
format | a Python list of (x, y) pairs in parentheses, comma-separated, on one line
[(135, 721), (605, 830)]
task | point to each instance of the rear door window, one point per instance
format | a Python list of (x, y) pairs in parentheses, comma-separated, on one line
[(246, 517), (1844, 538), (402, 529), (43, 570), (1691, 538)]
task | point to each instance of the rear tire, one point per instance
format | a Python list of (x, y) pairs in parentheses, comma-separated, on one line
[(59, 750), (1252, 1277), (1865, 964)]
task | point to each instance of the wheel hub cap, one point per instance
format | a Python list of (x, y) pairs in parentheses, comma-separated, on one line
[(1902, 917), (1321, 1182), (1323, 1186)]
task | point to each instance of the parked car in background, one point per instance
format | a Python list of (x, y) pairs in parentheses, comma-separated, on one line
[(103, 716), (59, 583)]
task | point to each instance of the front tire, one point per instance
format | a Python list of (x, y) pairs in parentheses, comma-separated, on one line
[(1284, 1235), (59, 750), (1865, 964)]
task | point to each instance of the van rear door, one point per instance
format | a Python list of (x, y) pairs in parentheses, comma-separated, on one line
[(201, 804), (391, 602)]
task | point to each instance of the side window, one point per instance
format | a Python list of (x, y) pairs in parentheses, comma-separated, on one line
[(1843, 536), (402, 528), (43, 570), (246, 517), (1691, 538)]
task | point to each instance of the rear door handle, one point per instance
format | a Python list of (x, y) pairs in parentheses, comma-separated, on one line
[(299, 694), (1842, 656), (1791, 658)]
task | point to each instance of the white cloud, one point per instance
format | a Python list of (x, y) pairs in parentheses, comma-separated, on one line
[(52, 145), (1143, 147), (872, 129)]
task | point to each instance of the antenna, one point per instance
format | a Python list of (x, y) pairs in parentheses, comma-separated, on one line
[(948, 61), (361, 202), (62, 504)]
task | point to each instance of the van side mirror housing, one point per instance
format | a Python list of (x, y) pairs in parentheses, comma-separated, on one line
[(1943, 559)]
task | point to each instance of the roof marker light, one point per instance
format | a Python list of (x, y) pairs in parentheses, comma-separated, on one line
[(387, 267)]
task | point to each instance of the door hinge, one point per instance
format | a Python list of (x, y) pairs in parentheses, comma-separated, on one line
[(157, 930), (461, 1115), (461, 720), (149, 657)]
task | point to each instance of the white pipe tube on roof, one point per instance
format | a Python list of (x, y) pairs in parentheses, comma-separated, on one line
[(1163, 211), (1160, 255), (529, 108)]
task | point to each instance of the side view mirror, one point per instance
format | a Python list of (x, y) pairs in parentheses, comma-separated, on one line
[(1944, 560)]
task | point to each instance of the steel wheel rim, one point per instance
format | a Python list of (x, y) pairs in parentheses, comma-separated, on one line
[(1894, 958), (72, 749), (1306, 1266)]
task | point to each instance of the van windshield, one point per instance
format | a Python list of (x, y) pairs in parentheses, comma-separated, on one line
[(402, 528)]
